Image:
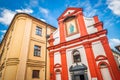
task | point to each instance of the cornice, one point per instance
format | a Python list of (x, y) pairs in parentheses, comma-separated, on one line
[(86, 37), (35, 63), (12, 61), (38, 40)]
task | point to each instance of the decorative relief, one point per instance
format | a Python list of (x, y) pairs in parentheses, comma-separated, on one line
[(35, 63), (100, 57), (71, 26), (57, 65), (12, 61)]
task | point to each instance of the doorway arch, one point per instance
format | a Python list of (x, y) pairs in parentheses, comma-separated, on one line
[(78, 72)]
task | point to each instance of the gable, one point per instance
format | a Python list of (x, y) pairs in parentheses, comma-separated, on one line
[(69, 11)]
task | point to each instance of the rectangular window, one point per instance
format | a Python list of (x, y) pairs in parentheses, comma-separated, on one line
[(38, 31), (35, 74), (37, 50)]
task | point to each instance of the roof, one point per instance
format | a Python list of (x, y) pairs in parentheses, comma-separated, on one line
[(18, 14), (116, 52), (118, 47)]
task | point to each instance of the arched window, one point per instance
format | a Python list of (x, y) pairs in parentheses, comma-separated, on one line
[(76, 56), (105, 72), (58, 74)]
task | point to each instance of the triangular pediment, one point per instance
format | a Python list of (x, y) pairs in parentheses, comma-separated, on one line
[(68, 11)]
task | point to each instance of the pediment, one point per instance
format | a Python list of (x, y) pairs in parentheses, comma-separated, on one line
[(69, 11)]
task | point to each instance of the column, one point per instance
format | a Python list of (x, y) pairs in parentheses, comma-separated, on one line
[(91, 60), (98, 24), (111, 59), (62, 32), (52, 75), (21, 72), (82, 28), (51, 40), (64, 64)]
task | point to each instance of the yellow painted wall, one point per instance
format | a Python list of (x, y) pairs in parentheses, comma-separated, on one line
[(17, 38), (29, 73), (10, 73), (18, 57)]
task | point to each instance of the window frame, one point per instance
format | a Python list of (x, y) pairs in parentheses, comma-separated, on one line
[(37, 50), (35, 73), (77, 55), (38, 31)]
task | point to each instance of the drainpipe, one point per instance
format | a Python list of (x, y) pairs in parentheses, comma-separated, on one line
[(46, 53)]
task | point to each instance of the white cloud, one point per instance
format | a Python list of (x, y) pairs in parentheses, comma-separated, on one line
[(47, 16), (6, 16), (44, 11), (43, 20), (3, 31), (114, 5), (34, 2), (118, 21), (24, 11), (1, 37), (88, 9), (114, 42)]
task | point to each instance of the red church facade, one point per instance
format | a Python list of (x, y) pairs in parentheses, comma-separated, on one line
[(79, 49)]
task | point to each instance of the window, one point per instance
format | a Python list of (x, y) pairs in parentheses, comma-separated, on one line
[(76, 56), (105, 72), (35, 73), (38, 31), (37, 50)]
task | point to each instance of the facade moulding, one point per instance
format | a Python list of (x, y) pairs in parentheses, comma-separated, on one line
[(76, 10), (12, 61), (37, 40), (87, 37), (35, 63), (101, 57), (57, 65)]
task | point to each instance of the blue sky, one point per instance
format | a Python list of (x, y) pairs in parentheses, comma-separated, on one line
[(108, 12)]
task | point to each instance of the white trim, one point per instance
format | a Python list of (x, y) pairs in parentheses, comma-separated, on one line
[(78, 43)]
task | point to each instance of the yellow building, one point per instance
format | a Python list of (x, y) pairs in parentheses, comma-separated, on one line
[(23, 53)]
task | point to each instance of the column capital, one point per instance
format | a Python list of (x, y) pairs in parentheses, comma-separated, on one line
[(51, 54), (99, 26), (87, 44), (104, 40), (62, 51)]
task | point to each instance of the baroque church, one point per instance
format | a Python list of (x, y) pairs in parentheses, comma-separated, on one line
[(79, 49)]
